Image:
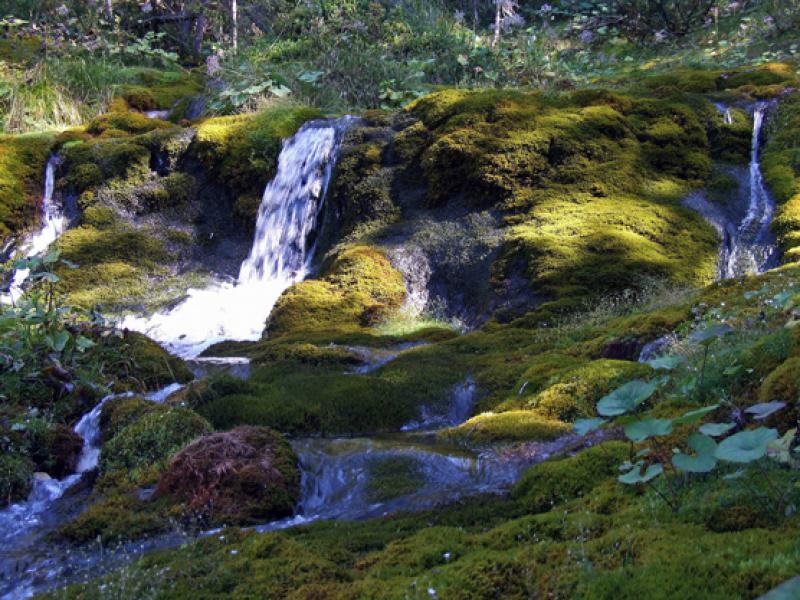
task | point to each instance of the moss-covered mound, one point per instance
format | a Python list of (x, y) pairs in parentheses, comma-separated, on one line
[(22, 163), (243, 476), (781, 167), (144, 446)]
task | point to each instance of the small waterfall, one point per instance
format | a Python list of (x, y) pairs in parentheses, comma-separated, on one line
[(462, 401), (23, 517), (280, 256), (727, 116), (753, 249), (52, 226)]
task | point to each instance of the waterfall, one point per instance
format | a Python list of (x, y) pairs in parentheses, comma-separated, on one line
[(280, 256), (52, 226), (753, 249), (17, 519)]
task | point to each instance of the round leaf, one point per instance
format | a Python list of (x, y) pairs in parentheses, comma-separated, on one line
[(584, 426), (746, 446), (704, 461), (626, 398), (765, 409), (716, 429), (635, 475), (638, 431)]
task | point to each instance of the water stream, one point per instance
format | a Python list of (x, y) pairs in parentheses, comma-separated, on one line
[(53, 222), (281, 254), (744, 221)]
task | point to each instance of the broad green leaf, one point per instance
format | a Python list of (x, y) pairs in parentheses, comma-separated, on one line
[(638, 431), (60, 340), (83, 343), (626, 398), (666, 363), (695, 416), (765, 409), (710, 334), (635, 475), (584, 426), (746, 446), (716, 429), (704, 460), (788, 590)]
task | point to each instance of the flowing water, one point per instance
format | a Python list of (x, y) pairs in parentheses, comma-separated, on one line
[(280, 256), (25, 553), (744, 221), (52, 226)]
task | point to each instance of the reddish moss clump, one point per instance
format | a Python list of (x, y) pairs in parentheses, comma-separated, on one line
[(243, 476)]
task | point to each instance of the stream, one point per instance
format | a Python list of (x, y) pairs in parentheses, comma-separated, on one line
[(342, 478)]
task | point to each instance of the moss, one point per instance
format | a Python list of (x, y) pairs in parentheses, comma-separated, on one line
[(393, 477), (245, 476), (360, 288), (513, 425), (594, 185), (783, 383), (781, 167), (116, 519), (243, 150), (160, 90), (16, 473), (554, 482), (22, 164), (121, 412), (126, 122), (149, 441)]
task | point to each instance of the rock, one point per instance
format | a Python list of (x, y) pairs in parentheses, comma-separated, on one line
[(65, 448), (244, 476), (622, 349)]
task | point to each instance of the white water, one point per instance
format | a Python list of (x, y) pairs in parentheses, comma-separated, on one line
[(18, 519), (280, 256), (753, 248), (52, 226)]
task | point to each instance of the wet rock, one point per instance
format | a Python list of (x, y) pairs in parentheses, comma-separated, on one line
[(243, 476), (622, 349), (64, 449)]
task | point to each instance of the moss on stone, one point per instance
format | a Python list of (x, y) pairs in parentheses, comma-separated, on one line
[(509, 426), (16, 472), (554, 482), (148, 442), (359, 289), (22, 164)]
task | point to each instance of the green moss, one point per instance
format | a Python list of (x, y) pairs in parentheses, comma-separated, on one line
[(116, 519), (554, 482), (574, 393), (22, 163), (781, 167), (16, 473), (243, 150), (360, 288), (149, 441), (121, 412), (393, 477), (127, 122), (513, 425)]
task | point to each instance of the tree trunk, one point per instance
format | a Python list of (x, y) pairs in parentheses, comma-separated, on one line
[(199, 34), (234, 25), (109, 11), (497, 22)]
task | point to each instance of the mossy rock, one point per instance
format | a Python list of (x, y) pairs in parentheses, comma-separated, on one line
[(512, 425), (124, 121), (118, 413), (16, 474), (556, 481), (576, 392), (244, 476), (142, 448), (359, 289), (116, 519), (243, 150), (22, 164)]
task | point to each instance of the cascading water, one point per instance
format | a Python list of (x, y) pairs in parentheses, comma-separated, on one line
[(52, 226), (754, 250), (743, 223), (23, 526), (280, 256)]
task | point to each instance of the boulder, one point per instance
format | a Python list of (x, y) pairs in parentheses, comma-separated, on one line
[(243, 476)]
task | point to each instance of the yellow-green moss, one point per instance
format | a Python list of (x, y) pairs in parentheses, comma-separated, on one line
[(22, 164), (359, 289), (243, 150), (513, 425)]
